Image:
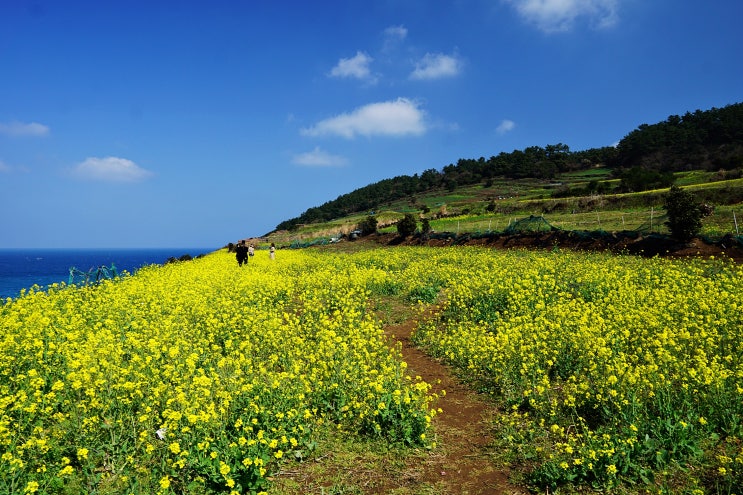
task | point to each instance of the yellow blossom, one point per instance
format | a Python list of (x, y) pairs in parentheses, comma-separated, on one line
[(31, 487), (164, 482)]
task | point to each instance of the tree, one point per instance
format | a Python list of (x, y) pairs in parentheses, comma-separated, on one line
[(368, 226), (407, 225), (425, 227), (642, 179), (684, 214)]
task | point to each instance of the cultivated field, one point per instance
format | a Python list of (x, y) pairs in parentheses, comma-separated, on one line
[(610, 372)]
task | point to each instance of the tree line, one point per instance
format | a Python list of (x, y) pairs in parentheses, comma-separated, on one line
[(646, 157)]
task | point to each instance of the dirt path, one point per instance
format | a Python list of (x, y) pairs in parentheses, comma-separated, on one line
[(461, 463)]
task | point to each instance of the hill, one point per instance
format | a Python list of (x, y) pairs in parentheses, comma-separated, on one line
[(709, 143)]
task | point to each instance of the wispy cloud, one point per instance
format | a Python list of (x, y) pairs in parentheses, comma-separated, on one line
[(560, 15), (355, 67), (20, 129), (319, 158), (400, 117), (110, 169), (393, 36), (505, 126), (436, 66), (13, 169)]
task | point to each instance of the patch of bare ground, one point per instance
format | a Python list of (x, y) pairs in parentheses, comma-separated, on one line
[(462, 462)]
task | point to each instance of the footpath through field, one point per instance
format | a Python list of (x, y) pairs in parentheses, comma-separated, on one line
[(461, 463)]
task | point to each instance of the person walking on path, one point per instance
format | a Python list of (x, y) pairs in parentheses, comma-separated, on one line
[(241, 253), (272, 251)]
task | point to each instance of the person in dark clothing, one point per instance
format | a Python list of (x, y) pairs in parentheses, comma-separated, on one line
[(241, 253)]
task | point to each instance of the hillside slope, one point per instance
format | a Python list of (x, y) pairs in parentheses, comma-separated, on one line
[(708, 141)]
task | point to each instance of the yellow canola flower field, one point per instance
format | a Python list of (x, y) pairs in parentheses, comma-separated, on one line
[(204, 377), (196, 377), (616, 369)]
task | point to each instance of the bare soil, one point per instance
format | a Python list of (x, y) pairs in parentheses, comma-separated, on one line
[(462, 463)]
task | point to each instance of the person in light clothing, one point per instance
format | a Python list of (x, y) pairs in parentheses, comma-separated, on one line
[(272, 251)]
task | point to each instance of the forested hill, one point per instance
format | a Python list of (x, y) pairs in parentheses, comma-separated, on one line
[(703, 140)]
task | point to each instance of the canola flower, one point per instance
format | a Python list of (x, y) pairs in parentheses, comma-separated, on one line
[(200, 376), (195, 377), (613, 366)]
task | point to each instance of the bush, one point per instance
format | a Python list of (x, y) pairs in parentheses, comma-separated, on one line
[(425, 226), (684, 214), (368, 226), (642, 179), (407, 225)]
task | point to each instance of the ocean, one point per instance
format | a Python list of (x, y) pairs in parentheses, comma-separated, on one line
[(24, 268)]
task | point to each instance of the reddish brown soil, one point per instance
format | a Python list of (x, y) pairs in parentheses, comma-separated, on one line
[(462, 463)]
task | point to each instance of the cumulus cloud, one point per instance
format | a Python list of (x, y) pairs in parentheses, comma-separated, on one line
[(560, 15), (355, 67), (19, 129), (436, 66), (400, 117), (110, 169), (319, 158), (505, 126)]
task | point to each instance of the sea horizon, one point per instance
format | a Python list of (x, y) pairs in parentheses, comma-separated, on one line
[(24, 268)]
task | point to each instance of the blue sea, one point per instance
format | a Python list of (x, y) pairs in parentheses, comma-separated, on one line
[(24, 268)]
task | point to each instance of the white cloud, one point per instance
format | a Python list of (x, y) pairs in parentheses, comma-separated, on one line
[(396, 33), (13, 169), (355, 67), (19, 129), (319, 158), (393, 36), (560, 15), (436, 66), (505, 126), (399, 117), (110, 169)]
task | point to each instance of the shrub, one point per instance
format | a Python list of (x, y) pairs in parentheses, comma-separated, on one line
[(407, 225), (369, 225), (425, 226), (642, 179), (684, 214)]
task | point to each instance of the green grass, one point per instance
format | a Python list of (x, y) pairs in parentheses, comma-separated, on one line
[(479, 209), (342, 465), (598, 173)]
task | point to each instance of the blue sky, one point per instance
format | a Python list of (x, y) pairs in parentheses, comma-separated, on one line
[(194, 124)]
